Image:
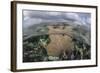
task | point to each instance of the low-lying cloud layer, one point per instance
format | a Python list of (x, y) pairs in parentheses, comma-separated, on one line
[(35, 17)]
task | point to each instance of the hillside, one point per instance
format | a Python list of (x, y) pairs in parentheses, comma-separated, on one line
[(56, 41)]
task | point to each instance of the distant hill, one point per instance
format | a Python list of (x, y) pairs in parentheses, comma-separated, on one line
[(79, 29)]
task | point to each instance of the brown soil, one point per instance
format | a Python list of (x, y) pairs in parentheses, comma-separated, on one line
[(59, 43)]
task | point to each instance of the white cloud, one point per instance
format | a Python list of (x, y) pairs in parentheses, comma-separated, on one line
[(77, 22), (32, 21), (72, 16), (26, 18), (26, 12), (89, 20), (53, 13), (36, 17)]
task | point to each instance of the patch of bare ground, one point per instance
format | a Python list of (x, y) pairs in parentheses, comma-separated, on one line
[(61, 41)]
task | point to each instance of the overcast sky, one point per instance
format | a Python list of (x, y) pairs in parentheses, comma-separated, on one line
[(35, 17)]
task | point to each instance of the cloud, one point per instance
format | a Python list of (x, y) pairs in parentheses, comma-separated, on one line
[(36, 17), (26, 18), (88, 20), (73, 16), (85, 18), (54, 13), (26, 12), (32, 21)]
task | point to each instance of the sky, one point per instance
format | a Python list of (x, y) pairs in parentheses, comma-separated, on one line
[(33, 17)]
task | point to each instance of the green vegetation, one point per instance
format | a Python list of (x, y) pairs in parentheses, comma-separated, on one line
[(35, 51), (35, 47)]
